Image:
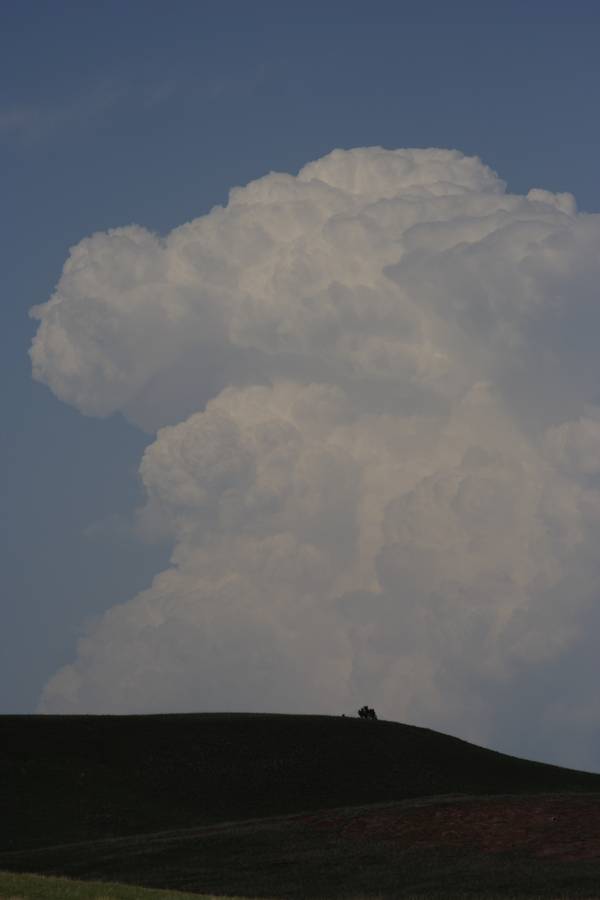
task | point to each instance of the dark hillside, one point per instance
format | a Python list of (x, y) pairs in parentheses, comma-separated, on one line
[(74, 778), (536, 845)]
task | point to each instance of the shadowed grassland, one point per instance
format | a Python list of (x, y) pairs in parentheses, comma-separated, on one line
[(74, 778), (431, 847), (298, 807), (37, 887)]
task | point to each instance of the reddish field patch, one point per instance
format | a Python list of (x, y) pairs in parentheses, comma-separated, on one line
[(563, 827)]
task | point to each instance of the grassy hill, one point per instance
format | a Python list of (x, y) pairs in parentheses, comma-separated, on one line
[(285, 805), (542, 845), (72, 778)]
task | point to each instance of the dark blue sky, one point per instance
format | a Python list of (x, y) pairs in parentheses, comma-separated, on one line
[(150, 112)]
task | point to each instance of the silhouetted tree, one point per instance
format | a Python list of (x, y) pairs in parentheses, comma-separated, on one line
[(365, 712)]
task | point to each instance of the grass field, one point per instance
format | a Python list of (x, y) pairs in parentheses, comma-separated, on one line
[(291, 807), (484, 846), (37, 887), (73, 778)]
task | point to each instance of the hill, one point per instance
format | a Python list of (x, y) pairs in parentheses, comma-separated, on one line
[(84, 778), (534, 845)]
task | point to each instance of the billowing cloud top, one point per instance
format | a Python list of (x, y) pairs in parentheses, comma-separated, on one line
[(374, 391)]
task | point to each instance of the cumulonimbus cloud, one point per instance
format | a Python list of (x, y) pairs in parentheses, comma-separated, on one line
[(374, 387)]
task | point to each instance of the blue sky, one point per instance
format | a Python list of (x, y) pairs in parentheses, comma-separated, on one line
[(148, 113)]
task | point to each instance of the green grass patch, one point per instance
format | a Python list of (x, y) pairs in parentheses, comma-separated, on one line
[(40, 887)]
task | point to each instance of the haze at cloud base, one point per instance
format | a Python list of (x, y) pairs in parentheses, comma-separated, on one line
[(374, 391)]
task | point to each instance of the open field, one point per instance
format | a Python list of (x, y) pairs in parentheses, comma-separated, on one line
[(73, 778), (290, 807), (37, 887), (546, 844)]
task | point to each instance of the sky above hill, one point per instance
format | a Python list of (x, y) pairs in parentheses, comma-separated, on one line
[(311, 417)]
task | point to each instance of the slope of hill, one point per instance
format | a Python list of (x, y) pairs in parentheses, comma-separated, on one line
[(538, 845), (75, 778)]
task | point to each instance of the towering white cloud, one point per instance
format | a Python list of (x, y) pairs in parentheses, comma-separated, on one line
[(374, 391)]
